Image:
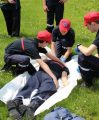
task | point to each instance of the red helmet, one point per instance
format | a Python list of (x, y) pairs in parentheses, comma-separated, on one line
[(91, 17), (64, 25), (44, 36)]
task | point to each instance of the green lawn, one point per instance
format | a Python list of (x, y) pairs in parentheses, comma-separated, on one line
[(82, 101)]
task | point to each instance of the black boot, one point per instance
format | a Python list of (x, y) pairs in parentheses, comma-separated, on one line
[(22, 109), (6, 67), (35, 103), (13, 112), (50, 29), (31, 70), (20, 70), (31, 109), (17, 70)]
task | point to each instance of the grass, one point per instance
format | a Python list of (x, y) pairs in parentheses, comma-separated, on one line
[(82, 101)]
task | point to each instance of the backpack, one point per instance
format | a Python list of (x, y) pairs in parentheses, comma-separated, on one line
[(61, 113)]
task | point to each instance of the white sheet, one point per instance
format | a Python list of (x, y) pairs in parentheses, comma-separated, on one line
[(63, 93), (9, 91)]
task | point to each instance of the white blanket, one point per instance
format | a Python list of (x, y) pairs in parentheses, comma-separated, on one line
[(63, 93), (9, 91)]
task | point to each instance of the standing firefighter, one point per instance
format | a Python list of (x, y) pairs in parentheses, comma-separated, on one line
[(54, 9), (11, 11)]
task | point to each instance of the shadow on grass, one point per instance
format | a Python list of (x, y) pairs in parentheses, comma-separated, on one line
[(5, 36), (96, 84), (26, 35)]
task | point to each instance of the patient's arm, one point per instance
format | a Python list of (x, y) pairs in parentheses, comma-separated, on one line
[(97, 55), (64, 78)]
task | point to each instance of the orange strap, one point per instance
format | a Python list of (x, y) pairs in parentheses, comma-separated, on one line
[(22, 43)]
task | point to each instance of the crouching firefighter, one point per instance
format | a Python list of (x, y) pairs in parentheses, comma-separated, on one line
[(19, 53), (89, 63)]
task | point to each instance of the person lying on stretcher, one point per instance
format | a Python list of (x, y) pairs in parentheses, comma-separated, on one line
[(44, 86)]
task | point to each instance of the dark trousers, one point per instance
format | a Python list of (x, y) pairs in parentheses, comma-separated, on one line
[(41, 81), (55, 10), (89, 67), (12, 19), (18, 64), (17, 59), (60, 50)]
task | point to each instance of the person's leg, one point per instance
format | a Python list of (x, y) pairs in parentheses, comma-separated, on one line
[(16, 22), (58, 49), (91, 62), (21, 63), (8, 19), (32, 84), (87, 76), (45, 90), (47, 86), (21, 60), (30, 89), (13, 108), (7, 65), (88, 65), (50, 19), (18, 63), (59, 11), (16, 107)]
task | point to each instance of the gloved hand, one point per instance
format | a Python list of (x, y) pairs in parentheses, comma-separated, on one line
[(62, 58), (77, 49)]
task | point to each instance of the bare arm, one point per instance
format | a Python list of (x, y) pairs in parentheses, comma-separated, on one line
[(64, 78), (97, 55), (45, 6), (52, 57), (53, 48), (11, 1), (45, 67), (87, 51)]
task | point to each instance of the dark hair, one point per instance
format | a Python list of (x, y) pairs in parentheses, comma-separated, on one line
[(40, 41), (97, 21)]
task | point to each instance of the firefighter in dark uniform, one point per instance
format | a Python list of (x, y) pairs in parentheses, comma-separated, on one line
[(88, 63), (20, 51), (11, 12), (63, 40), (54, 8), (45, 87)]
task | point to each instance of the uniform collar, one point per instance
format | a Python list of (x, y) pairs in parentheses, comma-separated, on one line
[(97, 34), (36, 41)]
